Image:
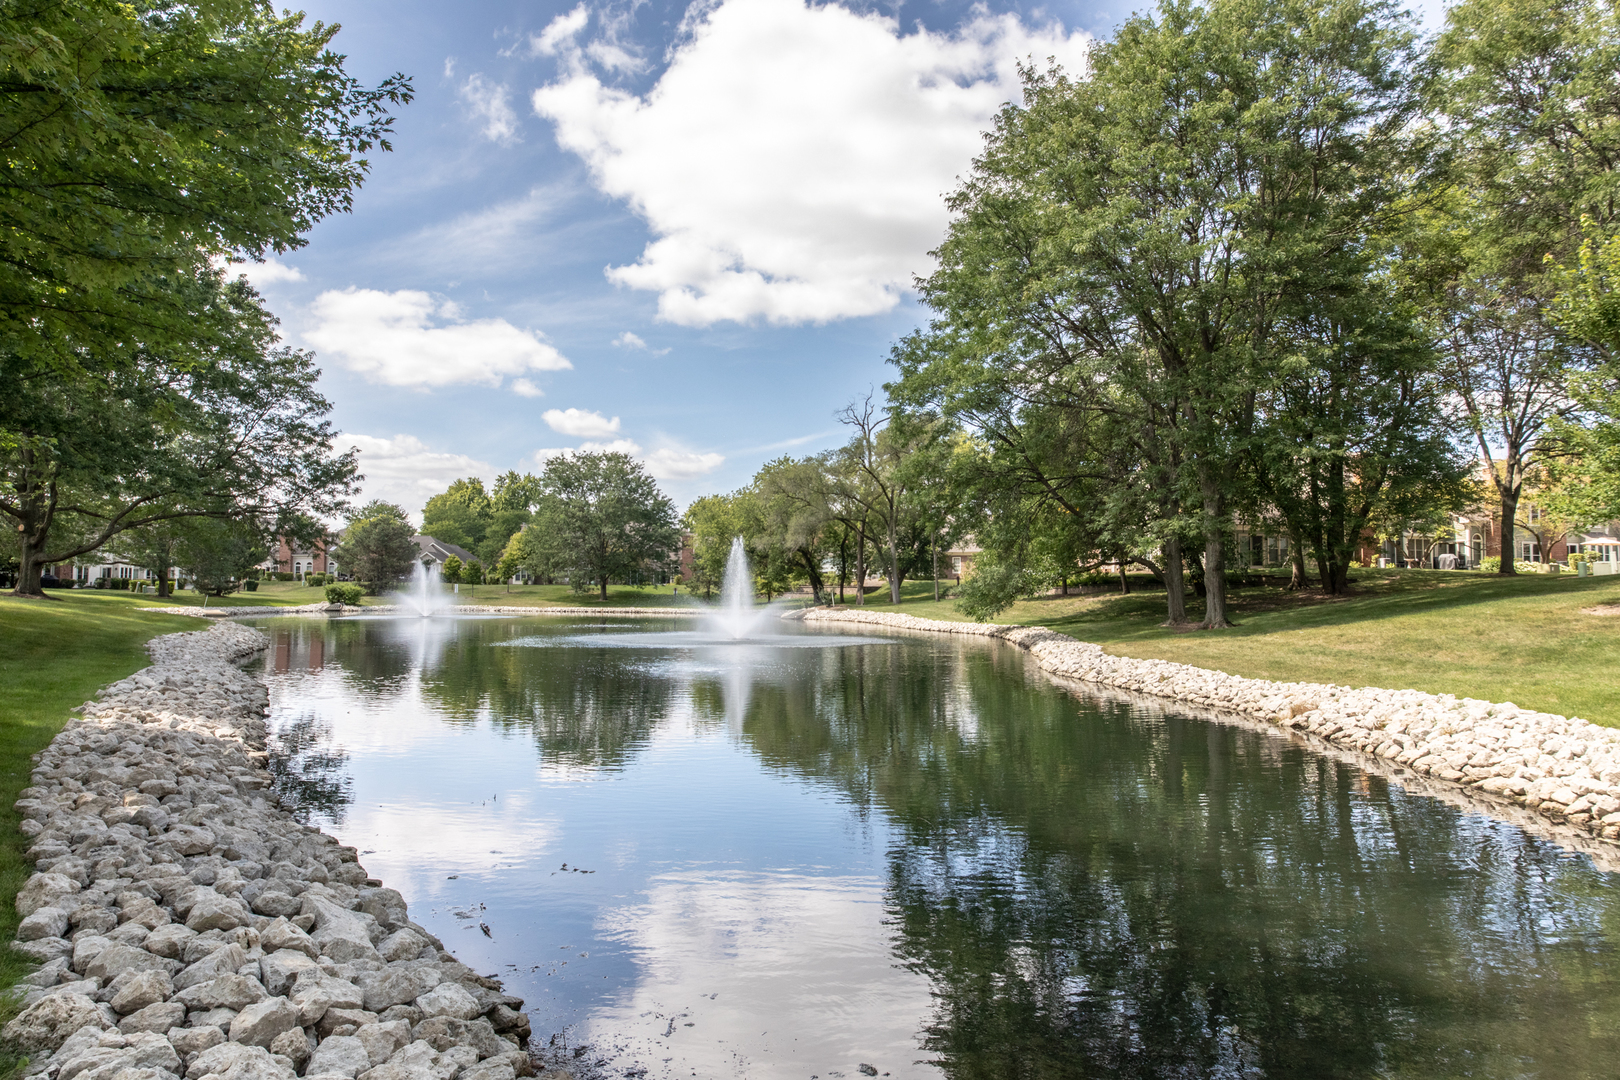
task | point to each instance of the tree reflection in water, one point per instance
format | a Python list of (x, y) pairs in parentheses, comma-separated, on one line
[(309, 777), (1097, 890)]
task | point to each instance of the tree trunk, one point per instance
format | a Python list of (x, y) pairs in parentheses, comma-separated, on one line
[(843, 561), (860, 565), (1214, 553), (1296, 562), (1124, 582), (894, 564), (1510, 509), (814, 572), (1175, 584), (604, 589), (933, 543)]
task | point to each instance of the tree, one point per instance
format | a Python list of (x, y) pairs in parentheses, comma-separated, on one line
[(450, 570), (240, 432), (1150, 228), (217, 553), (460, 515), (376, 546), (602, 516), (507, 567), (871, 472), (794, 518), (712, 521), (158, 549), (141, 141)]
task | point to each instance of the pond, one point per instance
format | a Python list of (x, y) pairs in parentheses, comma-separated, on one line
[(919, 855)]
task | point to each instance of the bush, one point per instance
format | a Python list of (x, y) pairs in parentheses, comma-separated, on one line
[(345, 593), (1490, 564), (316, 581), (251, 585), (282, 575)]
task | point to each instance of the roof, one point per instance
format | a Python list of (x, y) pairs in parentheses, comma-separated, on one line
[(438, 551)]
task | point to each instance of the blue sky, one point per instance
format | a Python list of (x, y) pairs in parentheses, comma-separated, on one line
[(687, 231)]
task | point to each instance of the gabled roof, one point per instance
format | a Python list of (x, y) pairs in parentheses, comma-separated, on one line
[(437, 551)]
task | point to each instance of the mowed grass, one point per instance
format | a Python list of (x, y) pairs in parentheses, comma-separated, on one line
[(54, 655), (1522, 639), (542, 596)]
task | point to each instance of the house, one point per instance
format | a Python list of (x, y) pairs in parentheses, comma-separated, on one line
[(299, 558), (434, 552), (960, 556)]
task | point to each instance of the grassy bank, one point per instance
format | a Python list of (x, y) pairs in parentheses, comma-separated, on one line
[(54, 655), (1521, 639), (542, 596)]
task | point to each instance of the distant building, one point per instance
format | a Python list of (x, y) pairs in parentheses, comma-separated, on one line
[(435, 552), (299, 558), (960, 557)]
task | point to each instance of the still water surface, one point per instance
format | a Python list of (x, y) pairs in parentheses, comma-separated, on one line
[(919, 854)]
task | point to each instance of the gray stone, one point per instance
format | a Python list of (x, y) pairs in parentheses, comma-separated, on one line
[(47, 1023), (225, 992), (168, 940), (282, 967), (223, 960), (277, 904), (216, 912), (399, 985), (493, 1069), (402, 944), (341, 1055), (44, 950), (227, 1056), (44, 890), (50, 974), (338, 933), (115, 960), (448, 999), (417, 1061), (219, 1018), (141, 989), (344, 1021), (45, 922), (188, 839), (381, 1040), (386, 906), (282, 934), (293, 1045), (410, 1014), (260, 1023), (313, 997), (97, 920), (194, 1040), (157, 1017)]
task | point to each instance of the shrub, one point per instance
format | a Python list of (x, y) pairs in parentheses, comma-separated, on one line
[(1490, 564), (316, 581), (343, 592), (251, 585), (282, 575)]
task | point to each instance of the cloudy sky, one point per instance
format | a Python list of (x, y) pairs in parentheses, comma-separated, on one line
[(685, 231)]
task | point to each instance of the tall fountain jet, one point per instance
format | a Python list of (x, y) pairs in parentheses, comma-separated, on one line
[(426, 595), (737, 617)]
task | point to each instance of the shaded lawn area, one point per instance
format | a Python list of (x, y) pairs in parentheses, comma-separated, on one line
[(1521, 639), (553, 596), (54, 655)]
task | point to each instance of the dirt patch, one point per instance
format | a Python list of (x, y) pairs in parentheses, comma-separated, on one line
[(1602, 609)]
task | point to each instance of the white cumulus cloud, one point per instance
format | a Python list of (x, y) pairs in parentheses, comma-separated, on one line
[(526, 388), (405, 470), (407, 338), (612, 446), (488, 102), (791, 161), (580, 423), (671, 463)]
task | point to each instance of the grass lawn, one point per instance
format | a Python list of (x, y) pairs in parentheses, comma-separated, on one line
[(54, 655), (1520, 639), (553, 596)]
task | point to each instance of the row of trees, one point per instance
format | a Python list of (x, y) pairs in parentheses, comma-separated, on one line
[(589, 518), (1285, 262), (143, 148)]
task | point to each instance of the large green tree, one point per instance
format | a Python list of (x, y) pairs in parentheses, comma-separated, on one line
[(1155, 226), (143, 139), (376, 545), (240, 433), (601, 517)]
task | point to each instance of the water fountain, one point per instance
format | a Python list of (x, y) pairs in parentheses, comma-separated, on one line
[(425, 596), (737, 618)]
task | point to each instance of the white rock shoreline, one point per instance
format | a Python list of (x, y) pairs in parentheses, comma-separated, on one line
[(1566, 771), (187, 926)]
